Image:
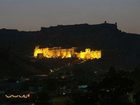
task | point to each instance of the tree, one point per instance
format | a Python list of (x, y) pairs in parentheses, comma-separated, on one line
[(114, 88)]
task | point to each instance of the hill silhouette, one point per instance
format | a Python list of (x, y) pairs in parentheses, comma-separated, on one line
[(119, 48)]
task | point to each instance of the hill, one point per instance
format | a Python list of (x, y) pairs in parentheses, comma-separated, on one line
[(119, 48)]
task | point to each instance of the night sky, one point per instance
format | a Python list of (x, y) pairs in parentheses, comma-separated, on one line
[(32, 14)]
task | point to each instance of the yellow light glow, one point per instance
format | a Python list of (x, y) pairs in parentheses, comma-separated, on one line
[(58, 52), (55, 52)]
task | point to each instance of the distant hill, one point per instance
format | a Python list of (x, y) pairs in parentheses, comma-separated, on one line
[(119, 48)]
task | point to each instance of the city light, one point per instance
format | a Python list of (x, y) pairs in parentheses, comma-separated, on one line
[(24, 96)]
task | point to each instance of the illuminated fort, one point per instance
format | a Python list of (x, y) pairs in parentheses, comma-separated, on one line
[(58, 52)]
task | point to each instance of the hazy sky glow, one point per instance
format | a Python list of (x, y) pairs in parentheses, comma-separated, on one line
[(32, 14)]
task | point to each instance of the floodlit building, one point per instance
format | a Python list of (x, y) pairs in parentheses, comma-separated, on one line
[(58, 52)]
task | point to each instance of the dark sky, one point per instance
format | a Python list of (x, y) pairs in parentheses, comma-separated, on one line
[(32, 14)]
